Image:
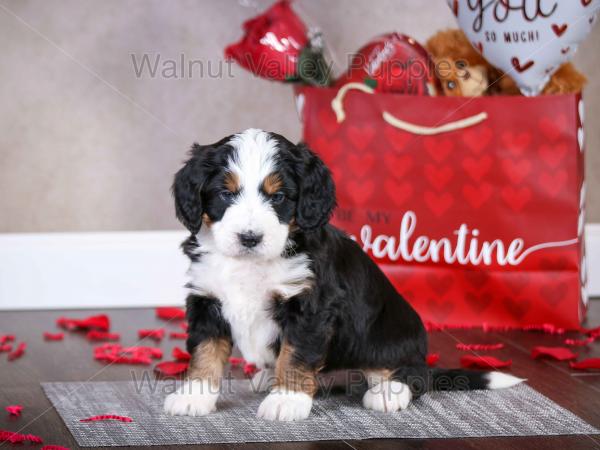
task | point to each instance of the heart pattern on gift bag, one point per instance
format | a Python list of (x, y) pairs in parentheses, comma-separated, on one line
[(492, 177)]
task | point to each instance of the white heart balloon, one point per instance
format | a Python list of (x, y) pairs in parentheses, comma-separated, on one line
[(528, 39)]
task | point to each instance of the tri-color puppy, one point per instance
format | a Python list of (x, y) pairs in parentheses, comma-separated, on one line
[(295, 294)]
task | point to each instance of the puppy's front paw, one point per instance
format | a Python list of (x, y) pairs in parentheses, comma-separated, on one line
[(285, 405), (193, 398), (387, 396)]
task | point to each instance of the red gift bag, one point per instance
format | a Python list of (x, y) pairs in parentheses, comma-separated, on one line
[(473, 207)]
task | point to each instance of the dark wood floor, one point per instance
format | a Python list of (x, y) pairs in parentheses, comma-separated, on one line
[(71, 360)]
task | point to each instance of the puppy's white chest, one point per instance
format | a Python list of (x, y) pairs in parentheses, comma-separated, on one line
[(247, 289)]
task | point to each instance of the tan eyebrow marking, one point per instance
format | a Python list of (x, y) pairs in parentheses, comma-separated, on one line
[(272, 183), (232, 182)]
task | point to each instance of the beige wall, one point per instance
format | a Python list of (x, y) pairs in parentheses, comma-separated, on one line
[(85, 145)]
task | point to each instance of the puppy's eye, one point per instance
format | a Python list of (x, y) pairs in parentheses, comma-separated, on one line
[(277, 197), (226, 195), (451, 85)]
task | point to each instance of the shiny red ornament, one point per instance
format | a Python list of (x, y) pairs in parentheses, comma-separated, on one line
[(272, 43), (394, 63)]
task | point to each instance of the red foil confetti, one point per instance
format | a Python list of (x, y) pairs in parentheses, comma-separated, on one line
[(107, 417), (99, 322), (157, 334), (484, 362), (171, 367), (181, 355), (54, 447), (558, 353), (580, 342), (250, 369), (7, 338), (235, 362), (18, 438), (53, 336), (169, 313), (14, 410), (432, 359), (5, 348), (176, 335), (590, 363), (115, 353), (18, 352), (479, 347), (547, 328), (95, 335)]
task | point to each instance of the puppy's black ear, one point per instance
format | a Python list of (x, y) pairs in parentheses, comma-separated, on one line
[(316, 197), (187, 189)]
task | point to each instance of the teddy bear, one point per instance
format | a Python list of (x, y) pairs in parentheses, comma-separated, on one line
[(463, 72)]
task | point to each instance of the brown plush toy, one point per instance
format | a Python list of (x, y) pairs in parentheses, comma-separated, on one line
[(463, 72)]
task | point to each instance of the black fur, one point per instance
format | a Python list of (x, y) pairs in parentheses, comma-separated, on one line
[(353, 318)]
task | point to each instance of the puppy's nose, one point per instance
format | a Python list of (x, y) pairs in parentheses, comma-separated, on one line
[(250, 239)]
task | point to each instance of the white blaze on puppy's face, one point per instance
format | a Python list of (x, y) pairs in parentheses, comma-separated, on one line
[(251, 214)]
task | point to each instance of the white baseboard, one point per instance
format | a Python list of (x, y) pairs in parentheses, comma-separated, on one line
[(92, 270), (122, 269)]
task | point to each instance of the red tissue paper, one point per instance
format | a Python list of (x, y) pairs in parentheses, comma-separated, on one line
[(157, 334), (432, 359), (115, 353), (479, 347), (250, 369), (99, 322), (18, 352), (181, 355), (558, 353), (14, 410), (18, 438), (53, 336), (235, 362), (107, 417), (171, 367), (590, 363), (484, 362), (170, 313), (4, 338), (176, 335), (95, 335)]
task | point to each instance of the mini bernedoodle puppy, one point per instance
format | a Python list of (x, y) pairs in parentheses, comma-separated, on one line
[(295, 294)]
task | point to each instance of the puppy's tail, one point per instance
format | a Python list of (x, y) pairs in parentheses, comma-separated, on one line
[(460, 379), (423, 379)]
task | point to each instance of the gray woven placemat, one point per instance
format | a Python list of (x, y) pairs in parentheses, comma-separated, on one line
[(520, 411)]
